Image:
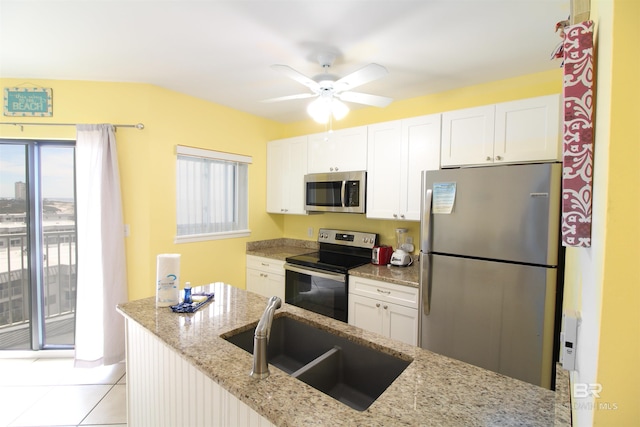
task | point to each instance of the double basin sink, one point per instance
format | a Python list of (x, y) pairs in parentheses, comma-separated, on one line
[(351, 373)]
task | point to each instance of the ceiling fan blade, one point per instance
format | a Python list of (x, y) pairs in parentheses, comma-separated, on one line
[(364, 75), (297, 76), (365, 98), (289, 97)]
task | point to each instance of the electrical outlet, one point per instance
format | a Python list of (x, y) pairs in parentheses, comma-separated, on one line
[(310, 231), (127, 230)]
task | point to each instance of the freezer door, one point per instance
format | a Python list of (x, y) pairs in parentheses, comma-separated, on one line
[(498, 316), (507, 212)]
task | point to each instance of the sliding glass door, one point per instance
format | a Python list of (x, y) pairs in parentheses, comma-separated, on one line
[(37, 245)]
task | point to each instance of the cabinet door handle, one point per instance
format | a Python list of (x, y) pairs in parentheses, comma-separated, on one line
[(383, 292), (378, 304), (402, 216), (488, 158), (385, 307), (498, 157)]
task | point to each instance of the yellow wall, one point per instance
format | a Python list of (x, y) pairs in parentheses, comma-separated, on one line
[(147, 168), (618, 370), (603, 282)]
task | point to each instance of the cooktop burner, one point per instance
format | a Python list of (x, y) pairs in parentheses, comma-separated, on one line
[(331, 261), (339, 251)]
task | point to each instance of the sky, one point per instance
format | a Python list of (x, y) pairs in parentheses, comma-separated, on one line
[(56, 170)]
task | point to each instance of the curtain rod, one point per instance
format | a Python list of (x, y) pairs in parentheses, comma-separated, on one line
[(139, 126)]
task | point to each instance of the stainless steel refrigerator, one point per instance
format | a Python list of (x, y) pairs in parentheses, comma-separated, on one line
[(489, 266)]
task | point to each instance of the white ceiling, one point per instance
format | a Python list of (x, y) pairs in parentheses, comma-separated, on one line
[(221, 50)]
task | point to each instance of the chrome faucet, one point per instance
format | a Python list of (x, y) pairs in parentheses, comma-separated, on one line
[(261, 339)]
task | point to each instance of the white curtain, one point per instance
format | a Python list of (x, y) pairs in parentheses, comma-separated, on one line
[(101, 274)]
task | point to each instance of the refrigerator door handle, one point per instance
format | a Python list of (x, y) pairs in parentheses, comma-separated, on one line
[(425, 256), (425, 282), (425, 228)]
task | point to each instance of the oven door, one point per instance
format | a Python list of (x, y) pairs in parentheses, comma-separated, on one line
[(320, 291)]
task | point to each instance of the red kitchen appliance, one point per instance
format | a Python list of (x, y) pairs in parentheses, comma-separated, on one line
[(381, 255)]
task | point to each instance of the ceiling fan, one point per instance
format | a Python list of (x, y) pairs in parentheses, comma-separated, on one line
[(330, 90)]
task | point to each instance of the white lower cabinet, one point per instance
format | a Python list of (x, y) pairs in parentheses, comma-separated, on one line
[(265, 276), (385, 308)]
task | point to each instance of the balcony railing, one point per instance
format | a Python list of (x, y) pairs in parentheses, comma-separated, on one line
[(57, 290)]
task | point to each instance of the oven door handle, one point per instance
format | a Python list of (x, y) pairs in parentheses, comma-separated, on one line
[(317, 273)]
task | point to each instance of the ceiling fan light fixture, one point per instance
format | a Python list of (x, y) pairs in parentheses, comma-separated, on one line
[(339, 109), (319, 110), (323, 107)]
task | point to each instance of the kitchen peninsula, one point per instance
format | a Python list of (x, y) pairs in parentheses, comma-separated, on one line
[(181, 371)]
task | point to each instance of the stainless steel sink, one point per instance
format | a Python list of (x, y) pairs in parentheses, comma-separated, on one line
[(351, 373)]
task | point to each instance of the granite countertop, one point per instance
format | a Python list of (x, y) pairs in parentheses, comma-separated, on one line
[(280, 249), (408, 276), (433, 391)]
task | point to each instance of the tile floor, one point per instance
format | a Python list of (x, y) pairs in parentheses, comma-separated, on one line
[(51, 392)]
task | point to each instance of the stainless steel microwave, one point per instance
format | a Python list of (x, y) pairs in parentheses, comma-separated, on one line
[(335, 192)]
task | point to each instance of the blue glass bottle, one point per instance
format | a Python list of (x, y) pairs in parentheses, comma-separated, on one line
[(187, 293)]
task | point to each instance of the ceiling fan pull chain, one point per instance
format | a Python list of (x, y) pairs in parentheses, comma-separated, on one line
[(328, 128)]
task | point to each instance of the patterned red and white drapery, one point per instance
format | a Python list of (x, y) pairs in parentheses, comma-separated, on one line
[(578, 135)]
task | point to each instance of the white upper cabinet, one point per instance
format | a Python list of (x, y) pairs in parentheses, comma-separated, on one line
[(338, 151), (526, 130), (467, 136), (398, 152), (286, 168), (420, 152), (383, 175)]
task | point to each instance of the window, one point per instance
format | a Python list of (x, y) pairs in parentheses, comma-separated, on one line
[(212, 195)]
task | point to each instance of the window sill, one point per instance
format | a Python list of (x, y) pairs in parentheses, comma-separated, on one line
[(211, 236)]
